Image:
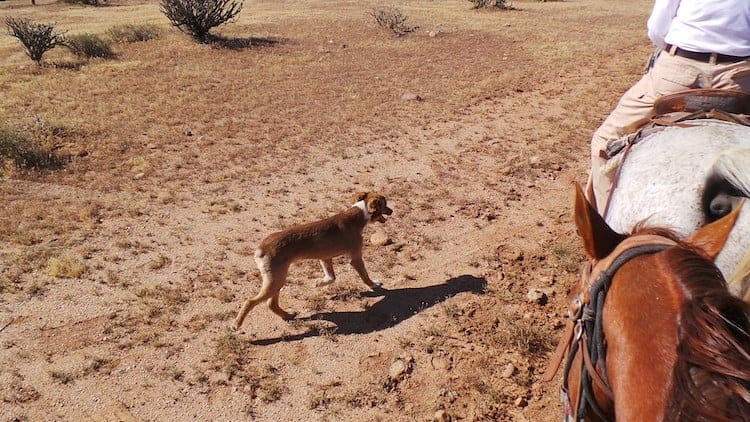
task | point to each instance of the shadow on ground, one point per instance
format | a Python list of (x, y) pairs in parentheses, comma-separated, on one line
[(396, 306)]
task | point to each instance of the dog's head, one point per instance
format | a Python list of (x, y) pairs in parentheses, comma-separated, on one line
[(376, 205)]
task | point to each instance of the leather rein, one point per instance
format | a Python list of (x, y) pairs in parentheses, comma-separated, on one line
[(584, 332)]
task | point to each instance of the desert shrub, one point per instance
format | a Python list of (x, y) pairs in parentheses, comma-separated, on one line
[(133, 33), (394, 19), (500, 4), (26, 151), (197, 17), (89, 45), (86, 2), (37, 38)]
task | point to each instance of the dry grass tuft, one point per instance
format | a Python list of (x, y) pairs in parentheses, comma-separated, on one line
[(89, 46), (65, 266), (163, 299), (62, 376), (271, 390), (26, 149), (230, 353), (525, 335), (133, 32), (568, 255)]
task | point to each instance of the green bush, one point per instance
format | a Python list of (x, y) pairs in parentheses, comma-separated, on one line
[(133, 33), (25, 151), (37, 38), (89, 45)]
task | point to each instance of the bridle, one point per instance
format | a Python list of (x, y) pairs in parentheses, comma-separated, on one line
[(584, 332)]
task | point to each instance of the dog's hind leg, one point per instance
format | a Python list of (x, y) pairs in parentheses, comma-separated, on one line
[(264, 294), (329, 276), (249, 305), (267, 290), (273, 303)]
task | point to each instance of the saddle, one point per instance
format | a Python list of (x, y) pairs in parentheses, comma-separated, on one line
[(727, 100), (678, 109)]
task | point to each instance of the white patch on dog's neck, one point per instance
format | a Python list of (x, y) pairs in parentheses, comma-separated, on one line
[(361, 205)]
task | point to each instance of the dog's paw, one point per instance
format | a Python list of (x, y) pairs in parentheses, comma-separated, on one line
[(289, 316), (378, 289), (324, 282)]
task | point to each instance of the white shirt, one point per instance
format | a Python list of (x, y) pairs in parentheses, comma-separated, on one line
[(703, 26)]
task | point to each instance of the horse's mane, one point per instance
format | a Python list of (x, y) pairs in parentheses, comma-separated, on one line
[(711, 377), (734, 167)]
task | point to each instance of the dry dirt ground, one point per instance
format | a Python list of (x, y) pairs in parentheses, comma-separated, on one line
[(121, 271)]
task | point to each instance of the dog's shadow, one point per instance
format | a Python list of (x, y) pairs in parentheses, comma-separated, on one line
[(396, 306)]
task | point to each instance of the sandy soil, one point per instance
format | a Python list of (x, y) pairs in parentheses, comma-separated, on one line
[(166, 198)]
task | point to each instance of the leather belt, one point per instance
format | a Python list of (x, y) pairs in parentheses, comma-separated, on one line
[(704, 57)]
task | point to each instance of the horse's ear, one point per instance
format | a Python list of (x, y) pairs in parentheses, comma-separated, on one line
[(598, 238), (711, 238)]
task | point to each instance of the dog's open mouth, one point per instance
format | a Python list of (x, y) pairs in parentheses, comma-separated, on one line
[(377, 217), (380, 216)]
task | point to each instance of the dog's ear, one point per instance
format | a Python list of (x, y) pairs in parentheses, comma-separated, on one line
[(375, 204), (360, 196)]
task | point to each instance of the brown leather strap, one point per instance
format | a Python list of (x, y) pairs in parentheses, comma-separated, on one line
[(592, 370), (566, 338), (661, 121), (629, 243)]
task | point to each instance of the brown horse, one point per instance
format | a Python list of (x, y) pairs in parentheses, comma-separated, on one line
[(656, 336)]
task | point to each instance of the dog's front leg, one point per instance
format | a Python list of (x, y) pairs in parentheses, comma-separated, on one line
[(359, 265), (329, 276)]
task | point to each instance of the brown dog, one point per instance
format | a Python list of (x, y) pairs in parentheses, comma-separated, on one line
[(338, 235)]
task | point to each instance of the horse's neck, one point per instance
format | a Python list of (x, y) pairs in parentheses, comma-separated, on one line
[(640, 325)]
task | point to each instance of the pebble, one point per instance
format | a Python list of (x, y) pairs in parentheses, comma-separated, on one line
[(536, 296), (398, 368), (380, 238), (441, 416), (508, 371), (410, 96)]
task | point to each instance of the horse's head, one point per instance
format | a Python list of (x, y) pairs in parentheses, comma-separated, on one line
[(638, 273)]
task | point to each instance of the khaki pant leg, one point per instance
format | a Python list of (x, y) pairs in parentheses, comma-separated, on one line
[(668, 75), (635, 105)]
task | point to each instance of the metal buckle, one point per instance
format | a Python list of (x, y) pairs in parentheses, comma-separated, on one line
[(575, 310), (578, 331)]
